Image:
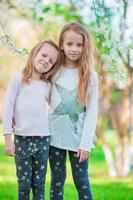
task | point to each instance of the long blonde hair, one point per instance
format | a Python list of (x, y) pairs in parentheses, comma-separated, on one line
[(29, 68), (86, 62)]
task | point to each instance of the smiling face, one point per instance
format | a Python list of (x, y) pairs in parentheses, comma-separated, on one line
[(72, 45), (45, 59)]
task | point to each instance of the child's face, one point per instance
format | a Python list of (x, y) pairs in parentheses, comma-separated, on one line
[(46, 58), (72, 45)]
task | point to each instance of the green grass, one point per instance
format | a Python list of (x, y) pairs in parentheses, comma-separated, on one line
[(103, 187)]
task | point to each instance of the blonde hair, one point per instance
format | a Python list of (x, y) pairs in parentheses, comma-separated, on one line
[(86, 61), (29, 68)]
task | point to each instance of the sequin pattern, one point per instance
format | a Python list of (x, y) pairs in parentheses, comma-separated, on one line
[(69, 105)]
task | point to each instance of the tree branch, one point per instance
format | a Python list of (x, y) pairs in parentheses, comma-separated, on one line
[(15, 7)]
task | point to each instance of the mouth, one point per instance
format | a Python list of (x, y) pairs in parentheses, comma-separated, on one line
[(43, 65), (73, 55)]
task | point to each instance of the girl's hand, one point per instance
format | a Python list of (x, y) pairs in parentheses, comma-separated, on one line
[(83, 155), (9, 146)]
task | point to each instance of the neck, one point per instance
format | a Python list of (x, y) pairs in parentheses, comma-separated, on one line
[(70, 64), (35, 76)]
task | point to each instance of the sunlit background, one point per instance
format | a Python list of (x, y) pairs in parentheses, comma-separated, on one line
[(22, 25)]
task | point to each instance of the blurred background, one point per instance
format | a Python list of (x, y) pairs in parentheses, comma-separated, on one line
[(22, 25)]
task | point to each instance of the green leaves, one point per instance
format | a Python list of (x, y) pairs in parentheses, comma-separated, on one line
[(116, 94), (25, 51)]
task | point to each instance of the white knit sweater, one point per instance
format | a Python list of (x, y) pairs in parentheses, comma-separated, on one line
[(72, 126), (27, 104)]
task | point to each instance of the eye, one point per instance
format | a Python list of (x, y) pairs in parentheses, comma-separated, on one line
[(51, 61), (79, 44), (44, 55), (69, 44)]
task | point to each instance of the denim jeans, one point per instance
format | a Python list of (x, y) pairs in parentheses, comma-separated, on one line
[(31, 163), (57, 158)]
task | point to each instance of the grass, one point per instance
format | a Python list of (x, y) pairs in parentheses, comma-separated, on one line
[(103, 187)]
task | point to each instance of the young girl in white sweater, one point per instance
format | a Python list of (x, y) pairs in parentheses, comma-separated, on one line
[(27, 94)]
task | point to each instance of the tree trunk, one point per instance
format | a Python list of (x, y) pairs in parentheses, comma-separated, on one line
[(109, 159)]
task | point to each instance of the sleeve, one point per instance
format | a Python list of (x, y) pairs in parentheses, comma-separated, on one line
[(89, 125), (10, 98), (48, 92)]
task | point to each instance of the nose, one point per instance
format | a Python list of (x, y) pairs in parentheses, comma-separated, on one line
[(74, 48), (46, 60)]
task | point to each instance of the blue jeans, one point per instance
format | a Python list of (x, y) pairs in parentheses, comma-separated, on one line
[(31, 163), (57, 160)]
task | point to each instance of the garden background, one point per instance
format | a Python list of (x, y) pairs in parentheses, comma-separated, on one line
[(22, 25)]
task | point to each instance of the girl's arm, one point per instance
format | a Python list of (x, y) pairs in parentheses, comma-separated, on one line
[(48, 98), (89, 126), (9, 145), (11, 95)]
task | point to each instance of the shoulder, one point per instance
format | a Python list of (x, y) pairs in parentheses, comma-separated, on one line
[(56, 76), (48, 84), (16, 77), (94, 77)]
